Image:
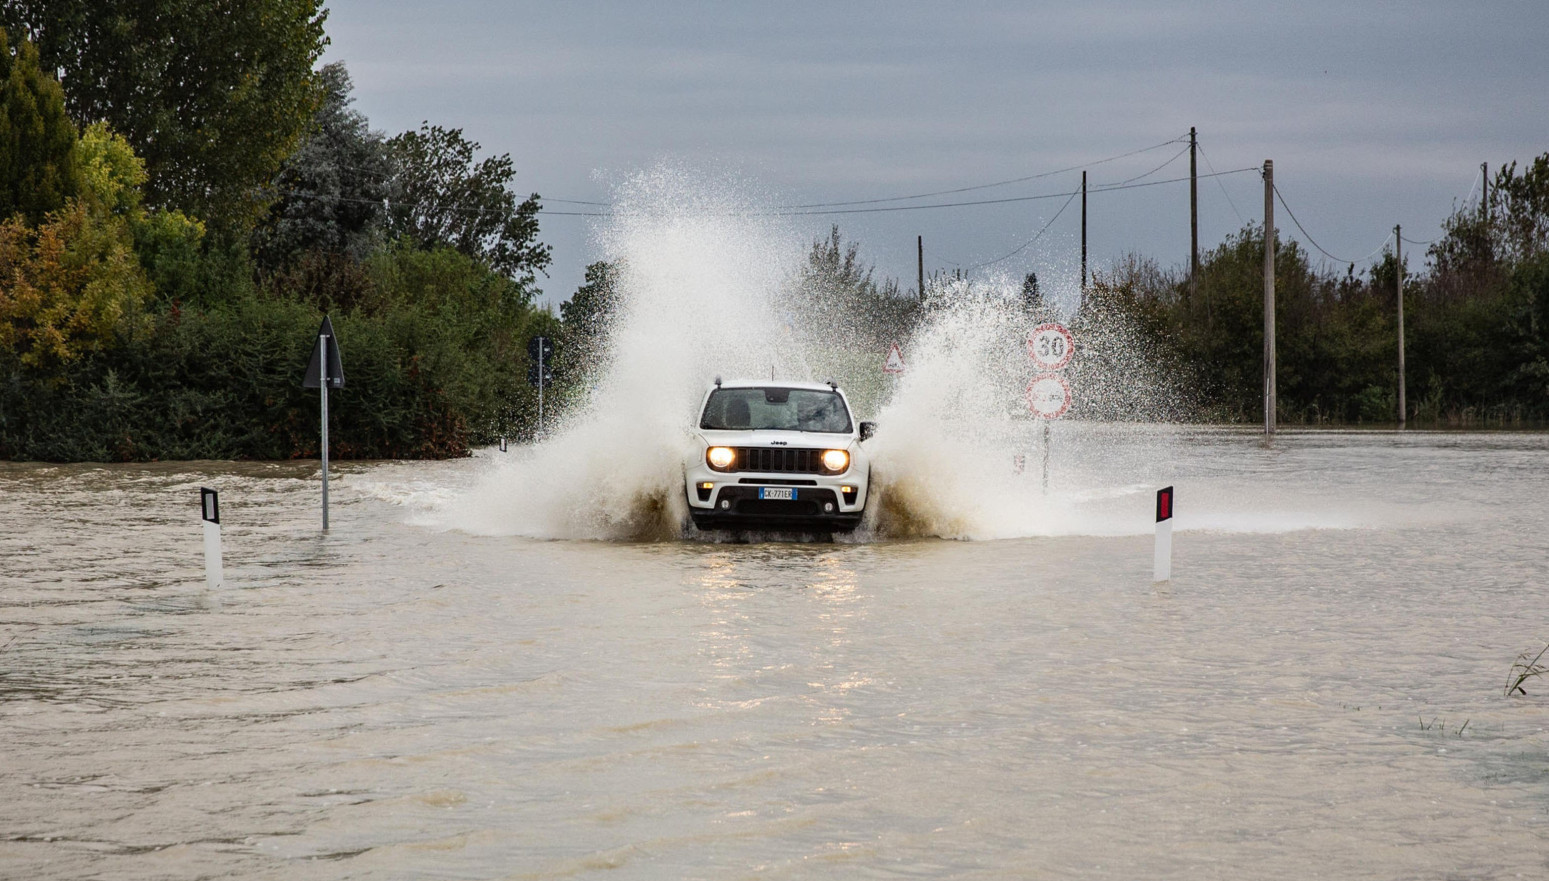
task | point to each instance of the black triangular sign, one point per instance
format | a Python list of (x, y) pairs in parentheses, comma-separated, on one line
[(335, 363)]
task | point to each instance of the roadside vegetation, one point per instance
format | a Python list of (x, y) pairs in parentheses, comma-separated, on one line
[(177, 217), (185, 192), (1476, 315)]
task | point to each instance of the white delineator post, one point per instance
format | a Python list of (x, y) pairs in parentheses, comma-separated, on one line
[(210, 512), (1162, 564)]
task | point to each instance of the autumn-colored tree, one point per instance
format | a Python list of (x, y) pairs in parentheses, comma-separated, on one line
[(66, 285)]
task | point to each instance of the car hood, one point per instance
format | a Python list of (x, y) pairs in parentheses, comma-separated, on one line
[(771, 438)]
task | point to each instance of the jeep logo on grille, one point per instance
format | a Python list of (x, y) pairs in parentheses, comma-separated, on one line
[(778, 443)]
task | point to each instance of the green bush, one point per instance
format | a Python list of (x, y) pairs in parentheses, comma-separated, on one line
[(436, 364)]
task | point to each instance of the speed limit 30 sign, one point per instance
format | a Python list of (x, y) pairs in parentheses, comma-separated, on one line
[(1050, 346)]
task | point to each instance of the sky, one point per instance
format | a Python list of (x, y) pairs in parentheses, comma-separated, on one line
[(1375, 114)]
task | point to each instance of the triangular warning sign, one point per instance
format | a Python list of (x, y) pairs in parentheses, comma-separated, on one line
[(895, 360)]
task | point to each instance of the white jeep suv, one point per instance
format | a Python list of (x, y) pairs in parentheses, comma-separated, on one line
[(777, 455)]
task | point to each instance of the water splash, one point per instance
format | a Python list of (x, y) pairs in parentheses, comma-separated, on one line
[(709, 284)]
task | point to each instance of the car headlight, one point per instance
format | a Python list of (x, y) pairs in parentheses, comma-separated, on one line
[(836, 460), (720, 458)]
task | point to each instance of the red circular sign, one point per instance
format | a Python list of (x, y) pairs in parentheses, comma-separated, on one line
[(1048, 396), (1051, 346)]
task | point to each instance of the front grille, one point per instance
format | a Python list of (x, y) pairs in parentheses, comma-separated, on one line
[(778, 460), (777, 507)]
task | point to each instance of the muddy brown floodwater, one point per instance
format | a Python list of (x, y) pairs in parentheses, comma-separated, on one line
[(1316, 693)]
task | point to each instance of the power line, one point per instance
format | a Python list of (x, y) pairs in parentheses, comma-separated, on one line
[(1107, 188), (1158, 168), (1240, 218), (1002, 183), (1025, 245), (1110, 188), (1314, 243)]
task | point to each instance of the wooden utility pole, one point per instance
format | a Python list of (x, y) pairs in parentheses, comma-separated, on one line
[(1484, 192), (1083, 238), (1398, 249), (920, 242), (1193, 218), (1269, 297)]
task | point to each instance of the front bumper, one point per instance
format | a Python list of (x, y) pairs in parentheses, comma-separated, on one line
[(732, 501)]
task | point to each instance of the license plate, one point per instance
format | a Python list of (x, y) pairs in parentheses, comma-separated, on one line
[(777, 492)]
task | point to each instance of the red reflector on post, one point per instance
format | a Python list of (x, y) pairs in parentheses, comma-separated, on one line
[(1164, 504)]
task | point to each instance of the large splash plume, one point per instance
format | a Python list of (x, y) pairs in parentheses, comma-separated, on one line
[(709, 283)]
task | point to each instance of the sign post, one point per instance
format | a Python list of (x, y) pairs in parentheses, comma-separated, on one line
[(210, 513), (1050, 346), (1162, 562), (325, 371), (541, 372)]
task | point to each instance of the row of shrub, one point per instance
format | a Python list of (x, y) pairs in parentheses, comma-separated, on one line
[(1476, 321), (434, 364)]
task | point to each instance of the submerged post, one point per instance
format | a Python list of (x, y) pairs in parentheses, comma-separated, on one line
[(1269, 297), (1046, 436), (210, 513), (1162, 560)]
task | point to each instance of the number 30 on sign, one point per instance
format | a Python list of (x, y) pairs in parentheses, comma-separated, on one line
[(1050, 346)]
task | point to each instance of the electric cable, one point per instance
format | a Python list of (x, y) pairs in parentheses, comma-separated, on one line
[(1240, 219), (1002, 183), (1036, 236), (1314, 242)]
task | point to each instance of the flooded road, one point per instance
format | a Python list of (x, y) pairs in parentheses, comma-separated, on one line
[(1316, 693)]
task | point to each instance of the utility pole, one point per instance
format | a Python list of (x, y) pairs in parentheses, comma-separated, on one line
[(920, 242), (1083, 238), (1398, 248), (1269, 297), (1484, 193), (1193, 218)]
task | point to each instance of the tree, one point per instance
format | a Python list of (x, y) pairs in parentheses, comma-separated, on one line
[(332, 192), (37, 141), (68, 284), (1520, 204), (442, 197), (166, 241), (587, 315), (213, 96), (1032, 298)]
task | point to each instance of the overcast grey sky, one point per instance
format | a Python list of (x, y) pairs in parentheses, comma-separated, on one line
[(1375, 113)]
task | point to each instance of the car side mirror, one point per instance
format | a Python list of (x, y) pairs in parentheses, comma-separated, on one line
[(868, 429)]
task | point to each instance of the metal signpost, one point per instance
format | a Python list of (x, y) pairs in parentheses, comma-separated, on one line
[(325, 371), (541, 350), (1050, 346)]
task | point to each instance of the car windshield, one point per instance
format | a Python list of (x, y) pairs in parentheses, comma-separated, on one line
[(782, 409)]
